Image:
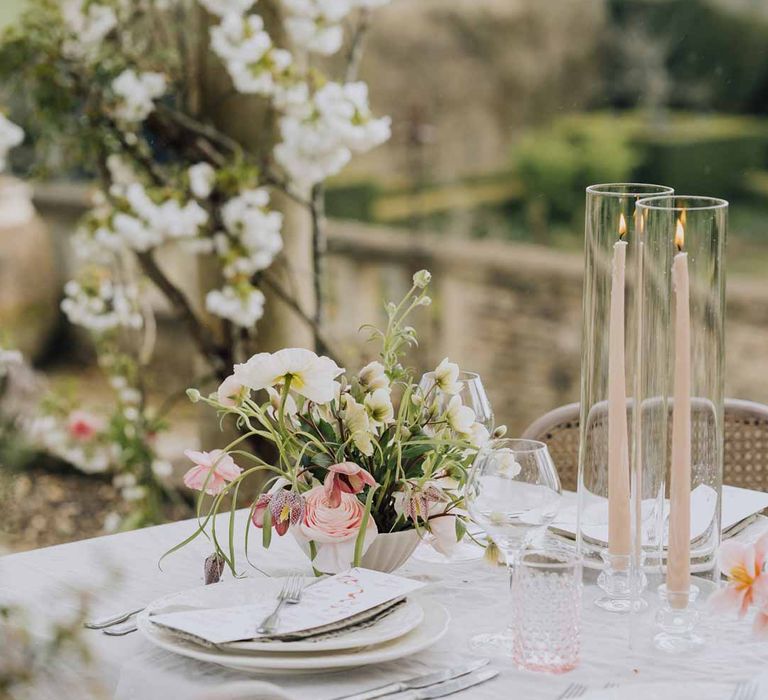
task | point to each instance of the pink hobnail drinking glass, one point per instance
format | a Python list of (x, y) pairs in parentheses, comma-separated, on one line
[(546, 609)]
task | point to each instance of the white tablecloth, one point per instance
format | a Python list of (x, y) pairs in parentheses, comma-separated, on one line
[(615, 649)]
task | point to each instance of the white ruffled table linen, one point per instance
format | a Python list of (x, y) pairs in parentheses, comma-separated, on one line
[(123, 571)]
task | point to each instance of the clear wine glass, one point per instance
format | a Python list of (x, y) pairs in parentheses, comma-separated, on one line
[(472, 394), (513, 493)]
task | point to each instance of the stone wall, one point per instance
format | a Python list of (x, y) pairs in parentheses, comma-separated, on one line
[(509, 311)]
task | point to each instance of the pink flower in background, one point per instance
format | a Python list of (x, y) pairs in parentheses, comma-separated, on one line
[(230, 391), (285, 508), (212, 471), (83, 426), (747, 583), (345, 477), (334, 528)]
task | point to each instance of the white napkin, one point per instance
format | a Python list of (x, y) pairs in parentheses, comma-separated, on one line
[(665, 691), (343, 597)]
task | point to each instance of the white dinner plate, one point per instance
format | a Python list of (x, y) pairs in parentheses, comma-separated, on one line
[(242, 591), (431, 629)]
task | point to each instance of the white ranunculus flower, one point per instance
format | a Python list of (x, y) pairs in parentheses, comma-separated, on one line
[(460, 418), (202, 177), (227, 7), (379, 405), (446, 377), (11, 135), (137, 92), (373, 376), (311, 376)]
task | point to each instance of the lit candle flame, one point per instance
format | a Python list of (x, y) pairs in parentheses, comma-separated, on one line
[(680, 232), (622, 226)]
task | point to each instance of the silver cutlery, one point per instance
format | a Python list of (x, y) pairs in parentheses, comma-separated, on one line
[(290, 594), (450, 687), (746, 690), (120, 630), (418, 682), (101, 623), (574, 690)]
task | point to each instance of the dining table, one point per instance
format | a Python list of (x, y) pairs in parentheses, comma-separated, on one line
[(127, 570)]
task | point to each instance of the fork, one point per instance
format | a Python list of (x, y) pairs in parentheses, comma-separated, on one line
[(746, 690), (574, 690), (289, 594)]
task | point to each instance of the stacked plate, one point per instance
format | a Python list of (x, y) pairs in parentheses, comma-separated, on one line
[(410, 627)]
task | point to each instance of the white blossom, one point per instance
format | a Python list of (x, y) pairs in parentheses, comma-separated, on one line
[(240, 39), (89, 25), (8, 358), (373, 376), (252, 238), (11, 135), (136, 93), (319, 142), (202, 177), (447, 377), (243, 308), (315, 25), (102, 306), (162, 468), (459, 417), (227, 7)]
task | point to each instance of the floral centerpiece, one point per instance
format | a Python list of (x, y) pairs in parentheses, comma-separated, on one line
[(358, 456)]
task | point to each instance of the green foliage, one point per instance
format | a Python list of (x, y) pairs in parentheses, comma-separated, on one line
[(556, 163), (352, 201)]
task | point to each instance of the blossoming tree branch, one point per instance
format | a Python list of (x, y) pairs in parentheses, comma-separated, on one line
[(114, 86)]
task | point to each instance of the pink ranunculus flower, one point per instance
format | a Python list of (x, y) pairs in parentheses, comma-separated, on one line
[(230, 391), (743, 565), (212, 471), (83, 426), (345, 477), (334, 529)]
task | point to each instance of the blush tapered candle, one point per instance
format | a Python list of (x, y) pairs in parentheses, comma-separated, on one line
[(618, 449), (679, 549)]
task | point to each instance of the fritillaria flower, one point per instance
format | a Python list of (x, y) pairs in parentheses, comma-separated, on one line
[(286, 508)]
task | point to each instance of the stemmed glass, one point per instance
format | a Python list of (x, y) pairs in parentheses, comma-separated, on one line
[(513, 493), (472, 394)]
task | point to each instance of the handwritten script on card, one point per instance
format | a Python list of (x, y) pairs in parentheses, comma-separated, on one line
[(329, 602)]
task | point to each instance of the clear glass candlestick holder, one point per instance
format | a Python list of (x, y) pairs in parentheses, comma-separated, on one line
[(677, 620), (546, 609), (620, 486)]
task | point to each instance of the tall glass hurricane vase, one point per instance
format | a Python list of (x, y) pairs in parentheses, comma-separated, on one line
[(623, 330), (693, 230)]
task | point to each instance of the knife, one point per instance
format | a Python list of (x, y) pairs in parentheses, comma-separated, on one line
[(442, 689), (419, 682)]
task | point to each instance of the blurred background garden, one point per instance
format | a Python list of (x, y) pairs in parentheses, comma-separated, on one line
[(502, 112)]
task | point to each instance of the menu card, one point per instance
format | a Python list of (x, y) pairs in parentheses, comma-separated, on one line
[(327, 603)]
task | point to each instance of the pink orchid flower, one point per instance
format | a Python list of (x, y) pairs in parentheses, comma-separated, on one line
[(345, 477), (743, 565), (285, 507), (212, 471)]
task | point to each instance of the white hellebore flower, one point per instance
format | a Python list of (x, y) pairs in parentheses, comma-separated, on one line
[(226, 7), (507, 466), (479, 435), (358, 423), (460, 418), (446, 377), (202, 177), (137, 91), (379, 405), (311, 376), (373, 376), (11, 135)]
